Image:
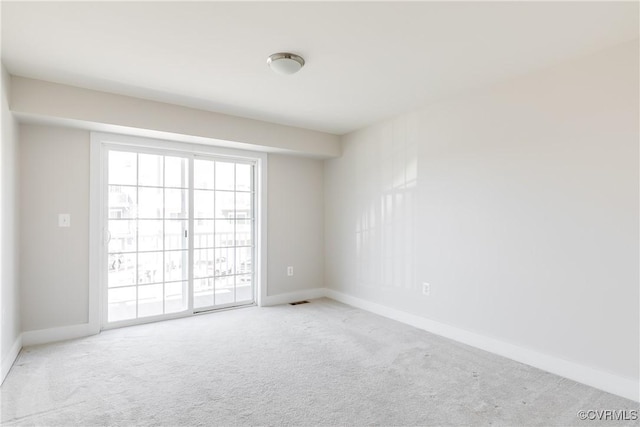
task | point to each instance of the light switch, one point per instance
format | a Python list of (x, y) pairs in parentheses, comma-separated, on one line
[(64, 220)]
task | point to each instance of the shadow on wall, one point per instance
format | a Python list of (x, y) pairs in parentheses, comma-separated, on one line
[(385, 229)]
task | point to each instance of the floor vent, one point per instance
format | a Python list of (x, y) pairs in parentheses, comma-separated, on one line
[(299, 302)]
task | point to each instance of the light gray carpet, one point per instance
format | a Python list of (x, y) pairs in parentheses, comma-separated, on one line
[(322, 363)]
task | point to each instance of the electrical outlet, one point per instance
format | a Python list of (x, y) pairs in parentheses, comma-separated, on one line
[(426, 289), (289, 271)]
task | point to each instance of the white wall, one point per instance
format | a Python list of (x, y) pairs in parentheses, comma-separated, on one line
[(295, 224), (54, 262), (518, 204), (9, 295), (54, 167)]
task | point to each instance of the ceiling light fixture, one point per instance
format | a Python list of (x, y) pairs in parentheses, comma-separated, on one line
[(285, 62)]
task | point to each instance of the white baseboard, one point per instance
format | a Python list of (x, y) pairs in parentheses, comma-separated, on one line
[(294, 296), (611, 383), (44, 336), (7, 362)]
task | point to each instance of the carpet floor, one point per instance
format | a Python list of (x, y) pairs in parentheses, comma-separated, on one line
[(322, 363)]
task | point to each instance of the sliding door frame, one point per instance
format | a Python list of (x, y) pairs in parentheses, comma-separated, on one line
[(101, 143)]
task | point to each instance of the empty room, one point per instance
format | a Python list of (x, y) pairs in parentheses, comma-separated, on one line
[(320, 213)]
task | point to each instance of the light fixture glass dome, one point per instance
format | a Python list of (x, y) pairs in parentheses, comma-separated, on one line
[(285, 63)]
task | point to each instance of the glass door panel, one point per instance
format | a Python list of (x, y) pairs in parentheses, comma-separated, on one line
[(223, 233), (148, 240)]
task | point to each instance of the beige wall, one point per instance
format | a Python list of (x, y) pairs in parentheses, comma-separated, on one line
[(518, 204), (134, 116), (9, 218), (54, 165), (54, 263), (296, 224)]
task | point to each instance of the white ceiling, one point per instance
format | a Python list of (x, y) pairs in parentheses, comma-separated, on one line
[(365, 61)]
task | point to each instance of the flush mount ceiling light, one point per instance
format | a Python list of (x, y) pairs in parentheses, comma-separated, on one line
[(285, 62)]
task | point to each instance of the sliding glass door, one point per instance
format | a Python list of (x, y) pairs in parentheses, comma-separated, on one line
[(180, 232)]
